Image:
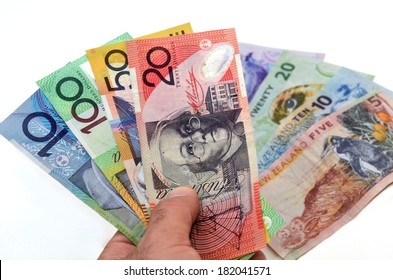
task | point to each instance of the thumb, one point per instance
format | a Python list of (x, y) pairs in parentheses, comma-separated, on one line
[(173, 217), (170, 223)]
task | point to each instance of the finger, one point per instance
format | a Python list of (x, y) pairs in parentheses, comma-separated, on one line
[(171, 220), (259, 255), (119, 247)]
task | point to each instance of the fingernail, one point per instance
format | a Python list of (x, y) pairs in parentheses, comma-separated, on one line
[(181, 191)]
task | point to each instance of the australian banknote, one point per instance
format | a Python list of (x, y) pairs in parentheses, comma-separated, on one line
[(109, 65), (73, 94), (344, 89), (195, 130), (257, 62), (38, 131), (330, 174)]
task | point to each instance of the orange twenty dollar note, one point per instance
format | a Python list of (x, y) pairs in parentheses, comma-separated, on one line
[(195, 130)]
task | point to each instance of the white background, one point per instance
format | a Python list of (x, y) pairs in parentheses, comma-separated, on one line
[(39, 219)]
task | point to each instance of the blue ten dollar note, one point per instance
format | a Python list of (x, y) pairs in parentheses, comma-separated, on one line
[(344, 89), (38, 131)]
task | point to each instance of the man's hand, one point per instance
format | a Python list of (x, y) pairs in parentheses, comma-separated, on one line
[(168, 234)]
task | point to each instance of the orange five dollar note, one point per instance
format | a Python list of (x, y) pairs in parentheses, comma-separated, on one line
[(110, 67), (195, 130)]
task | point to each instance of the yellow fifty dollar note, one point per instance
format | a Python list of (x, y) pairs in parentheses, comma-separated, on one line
[(110, 68)]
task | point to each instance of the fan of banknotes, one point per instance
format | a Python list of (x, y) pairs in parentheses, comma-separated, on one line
[(282, 148)]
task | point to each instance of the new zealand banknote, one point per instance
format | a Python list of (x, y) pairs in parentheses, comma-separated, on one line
[(74, 96), (343, 90), (110, 68), (195, 130), (257, 62), (330, 174), (293, 80), (38, 131)]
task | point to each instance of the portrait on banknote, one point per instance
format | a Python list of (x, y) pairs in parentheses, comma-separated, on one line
[(199, 145), (207, 151)]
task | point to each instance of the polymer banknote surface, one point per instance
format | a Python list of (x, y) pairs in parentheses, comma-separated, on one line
[(257, 62), (195, 130), (344, 89), (292, 81), (330, 174), (76, 99), (38, 131), (109, 65)]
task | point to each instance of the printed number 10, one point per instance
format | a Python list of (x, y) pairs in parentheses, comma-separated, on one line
[(321, 102), (44, 152)]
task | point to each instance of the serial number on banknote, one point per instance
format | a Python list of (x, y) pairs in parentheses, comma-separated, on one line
[(237, 270)]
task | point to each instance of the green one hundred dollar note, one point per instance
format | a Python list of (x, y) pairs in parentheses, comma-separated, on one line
[(76, 99), (330, 174)]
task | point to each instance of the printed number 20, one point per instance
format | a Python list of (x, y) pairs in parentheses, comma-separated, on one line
[(286, 69), (155, 67)]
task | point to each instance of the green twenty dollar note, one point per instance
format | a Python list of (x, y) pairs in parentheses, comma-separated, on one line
[(292, 81)]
